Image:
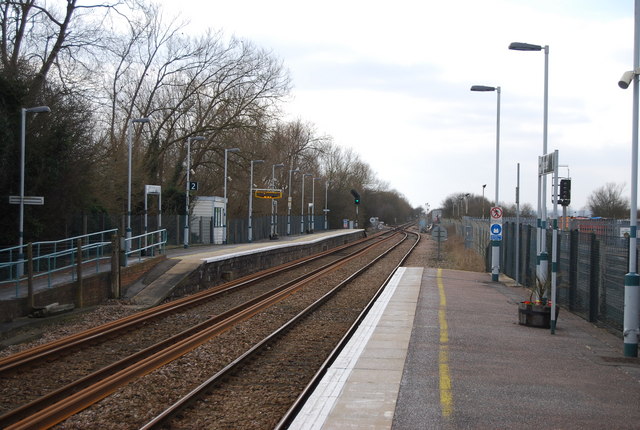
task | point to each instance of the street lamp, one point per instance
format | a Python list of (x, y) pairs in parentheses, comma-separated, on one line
[(224, 210), (312, 220), (23, 121), (543, 258), (495, 244), (291, 171), (274, 203), (251, 197), (186, 204), (632, 279), (302, 204), (128, 231)]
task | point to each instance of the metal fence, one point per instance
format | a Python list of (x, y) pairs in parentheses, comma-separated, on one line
[(591, 265), (202, 228)]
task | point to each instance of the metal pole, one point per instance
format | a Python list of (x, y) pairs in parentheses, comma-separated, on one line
[(544, 256), (291, 171), (20, 268), (251, 198), (130, 144), (495, 246), (518, 226), (312, 220), (186, 195), (302, 204), (632, 279), (326, 205), (554, 245), (250, 237), (224, 209), (274, 205), (128, 229)]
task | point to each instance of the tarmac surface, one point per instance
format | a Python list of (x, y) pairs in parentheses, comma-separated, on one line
[(468, 364)]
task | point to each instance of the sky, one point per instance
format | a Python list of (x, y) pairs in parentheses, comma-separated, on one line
[(391, 81)]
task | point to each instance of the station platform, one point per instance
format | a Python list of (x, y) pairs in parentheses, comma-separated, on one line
[(443, 349)]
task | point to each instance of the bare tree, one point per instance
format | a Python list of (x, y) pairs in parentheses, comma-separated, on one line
[(189, 86), (608, 202)]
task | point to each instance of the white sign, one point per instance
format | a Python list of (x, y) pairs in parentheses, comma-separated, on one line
[(28, 200), (496, 214), (548, 163), (152, 189)]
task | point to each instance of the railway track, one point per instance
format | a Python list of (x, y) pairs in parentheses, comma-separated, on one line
[(58, 404), (306, 344)]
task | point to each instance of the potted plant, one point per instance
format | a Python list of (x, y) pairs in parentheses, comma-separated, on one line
[(536, 312)]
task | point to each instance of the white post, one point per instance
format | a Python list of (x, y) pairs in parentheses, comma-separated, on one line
[(289, 202), (226, 203), (554, 245), (632, 279), (250, 238)]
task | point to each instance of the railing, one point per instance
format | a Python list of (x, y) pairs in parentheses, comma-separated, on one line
[(54, 257), (145, 245)]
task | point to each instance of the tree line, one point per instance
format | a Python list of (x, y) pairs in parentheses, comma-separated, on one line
[(103, 67), (606, 201)]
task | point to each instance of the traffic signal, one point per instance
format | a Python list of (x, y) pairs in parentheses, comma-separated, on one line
[(565, 192), (356, 196)]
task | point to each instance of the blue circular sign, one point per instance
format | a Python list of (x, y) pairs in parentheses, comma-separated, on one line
[(496, 228)]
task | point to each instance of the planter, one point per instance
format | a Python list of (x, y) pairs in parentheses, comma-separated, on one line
[(533, 315)]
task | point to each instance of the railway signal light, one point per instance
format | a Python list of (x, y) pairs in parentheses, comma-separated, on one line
[(356, 196), (565, 192)]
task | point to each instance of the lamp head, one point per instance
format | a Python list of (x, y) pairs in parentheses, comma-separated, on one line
[(519, 46), (482, 88), (233, 150), (196, 138), (141, 120), (38, 109)]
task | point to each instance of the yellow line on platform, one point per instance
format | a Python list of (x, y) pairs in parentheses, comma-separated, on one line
[(446, 397)]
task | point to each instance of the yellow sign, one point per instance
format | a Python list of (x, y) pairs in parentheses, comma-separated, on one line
[(268, 194)]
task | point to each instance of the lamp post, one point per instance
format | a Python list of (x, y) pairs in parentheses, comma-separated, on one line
[(302, 204), (23, 121), (186, 202), (312, 211), (274, 203), (291, 171), (495, 244), (632, 279), (326, 205), (543, 258), (253, 162), (128, 231), (224, 210)]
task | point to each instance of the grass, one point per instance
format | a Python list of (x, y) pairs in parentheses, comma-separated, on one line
[(455, 256)]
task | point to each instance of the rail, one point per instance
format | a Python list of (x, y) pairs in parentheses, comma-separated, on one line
[(144, 245)]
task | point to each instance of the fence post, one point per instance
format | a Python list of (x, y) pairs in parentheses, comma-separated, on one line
[(31, 300), (80, 291), (594, 278), (573, 268), (115, 266)]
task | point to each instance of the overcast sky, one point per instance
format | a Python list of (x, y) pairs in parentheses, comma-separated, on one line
[(391, 80)]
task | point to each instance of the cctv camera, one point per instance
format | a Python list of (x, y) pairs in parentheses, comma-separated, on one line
[(626, 79)]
